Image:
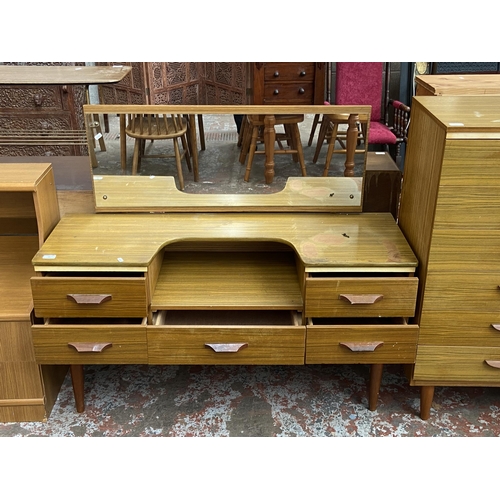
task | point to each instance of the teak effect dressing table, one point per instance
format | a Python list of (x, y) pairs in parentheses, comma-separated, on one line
[(222, 286)]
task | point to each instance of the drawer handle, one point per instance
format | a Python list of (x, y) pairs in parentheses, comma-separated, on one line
[(84, 298), (361, 346), (496, 327), (227, 347), (360, 299), (492, 363), (276, 74), (89, 347), (276, 92), (301, 90)]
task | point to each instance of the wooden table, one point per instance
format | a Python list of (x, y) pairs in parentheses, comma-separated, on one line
[(58, 76), (458, 84), (62, 75)]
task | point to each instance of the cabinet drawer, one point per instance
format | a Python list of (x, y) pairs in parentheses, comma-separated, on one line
[(289, 71), (293, 93), (469, 328), (90, 343), (360, 297), (225, 339), (456, 365), (60, 297), (360, 343)]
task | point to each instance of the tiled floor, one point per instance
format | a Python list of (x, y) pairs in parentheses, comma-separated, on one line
[(317, 400)]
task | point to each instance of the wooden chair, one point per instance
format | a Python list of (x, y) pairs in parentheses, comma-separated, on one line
[(362, 83), (252, 134), (159, 127)]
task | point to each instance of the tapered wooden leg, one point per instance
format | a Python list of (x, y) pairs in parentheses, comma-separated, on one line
[(78, 386), (375, 381), (426, 397), (313, 129)]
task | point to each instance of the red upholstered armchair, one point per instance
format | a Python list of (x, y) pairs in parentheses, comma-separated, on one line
[(363, 83)]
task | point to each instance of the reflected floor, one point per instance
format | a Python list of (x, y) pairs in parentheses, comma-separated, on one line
[(219, 168)]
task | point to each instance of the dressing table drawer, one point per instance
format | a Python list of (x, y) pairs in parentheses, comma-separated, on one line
[(226, 338), (362, 342), (88, 344), (73, 297), (360, 297)]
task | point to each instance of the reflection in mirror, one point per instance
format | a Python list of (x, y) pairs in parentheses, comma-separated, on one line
[(220, 165)]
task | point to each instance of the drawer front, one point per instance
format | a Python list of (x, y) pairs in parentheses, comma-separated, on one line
[(232, 345), (89, 297), (90, 344), (360, 297), (289, 71), (294, 93), (457, 365), (361, 344), (467, 328)]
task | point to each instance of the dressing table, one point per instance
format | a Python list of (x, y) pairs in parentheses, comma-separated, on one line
[(159, 276)]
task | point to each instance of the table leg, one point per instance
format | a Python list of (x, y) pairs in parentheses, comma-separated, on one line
[(375, 381), (78, 386), (269, 140), (351, 143)]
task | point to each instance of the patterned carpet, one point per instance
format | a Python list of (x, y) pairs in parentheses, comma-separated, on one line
[(260, 401)]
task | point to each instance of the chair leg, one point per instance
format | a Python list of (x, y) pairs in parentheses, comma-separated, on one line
[(185, 147), (298, 146), (313, 129), (135, 159), (251, 152), (246, 132), (321, 139), (331, 148), (201, 129), (178, 164), (244, 125)]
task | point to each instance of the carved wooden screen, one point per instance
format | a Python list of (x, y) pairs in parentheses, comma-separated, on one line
[(131, 90), (225, 83)]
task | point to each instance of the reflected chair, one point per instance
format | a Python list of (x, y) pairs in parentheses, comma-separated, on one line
[(362, 83), (253, 134), (143, 127)]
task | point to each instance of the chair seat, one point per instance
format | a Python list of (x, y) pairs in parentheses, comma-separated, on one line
[(380, 134), (157, 129)]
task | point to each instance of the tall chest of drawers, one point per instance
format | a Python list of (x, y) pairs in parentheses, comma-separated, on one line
[(450, 214)]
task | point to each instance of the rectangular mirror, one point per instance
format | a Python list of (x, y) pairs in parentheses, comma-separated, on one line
[(219, 178)]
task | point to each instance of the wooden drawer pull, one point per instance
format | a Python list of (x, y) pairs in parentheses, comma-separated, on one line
[(89, 346), (227, 347), (84, 298), (361, 299), (492, 363), (496, 327), (361, 346)]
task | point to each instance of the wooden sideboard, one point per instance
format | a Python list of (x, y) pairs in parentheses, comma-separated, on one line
[(225, 288), (28, 213), (450, 214)]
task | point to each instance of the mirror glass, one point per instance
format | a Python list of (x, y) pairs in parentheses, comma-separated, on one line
[(220, 165)]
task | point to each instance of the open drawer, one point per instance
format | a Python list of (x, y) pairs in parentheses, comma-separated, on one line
[(98, 341), (360, 340), (226, 338)]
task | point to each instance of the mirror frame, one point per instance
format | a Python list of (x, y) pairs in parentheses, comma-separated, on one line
[(353, 114)]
